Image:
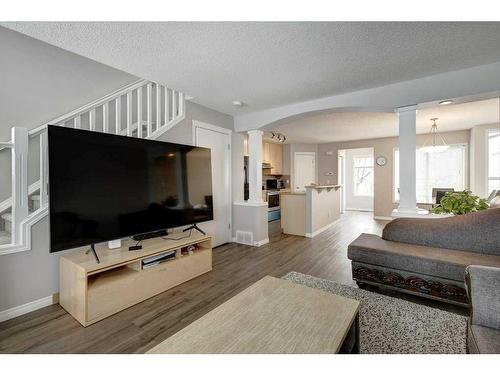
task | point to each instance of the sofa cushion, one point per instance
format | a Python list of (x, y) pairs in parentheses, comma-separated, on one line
[(432, 261), (476, 231), (483, 340)]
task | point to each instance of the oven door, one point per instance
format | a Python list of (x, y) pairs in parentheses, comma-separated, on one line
[(273, 201)]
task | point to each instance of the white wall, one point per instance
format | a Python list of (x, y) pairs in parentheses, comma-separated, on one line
[(479, 159), (300, 147), (353, 202), (472, 81)]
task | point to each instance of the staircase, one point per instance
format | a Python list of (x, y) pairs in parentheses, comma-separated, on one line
[(142, 109)]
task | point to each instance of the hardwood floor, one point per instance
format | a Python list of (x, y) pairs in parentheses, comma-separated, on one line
[(235, 267)]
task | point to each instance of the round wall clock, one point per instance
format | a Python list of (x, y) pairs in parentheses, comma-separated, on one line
[(381, 160)]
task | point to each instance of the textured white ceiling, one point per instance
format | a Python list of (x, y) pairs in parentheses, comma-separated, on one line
[(348, 126), (272, 64)]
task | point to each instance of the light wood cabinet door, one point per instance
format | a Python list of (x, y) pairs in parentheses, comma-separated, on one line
[(276, 151), (266, 152)]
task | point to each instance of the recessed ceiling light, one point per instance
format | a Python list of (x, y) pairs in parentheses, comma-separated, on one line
[(237, 103), (445, 102)]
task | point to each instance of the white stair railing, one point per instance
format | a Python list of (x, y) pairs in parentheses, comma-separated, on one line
[(121, 112)]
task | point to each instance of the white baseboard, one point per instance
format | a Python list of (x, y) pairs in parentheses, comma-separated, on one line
[(388, 218), (359, 209), (256, 243), (26, 308), (260, 243), (315, 233)]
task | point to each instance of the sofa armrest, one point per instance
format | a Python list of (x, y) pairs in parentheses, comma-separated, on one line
[(483, 288)]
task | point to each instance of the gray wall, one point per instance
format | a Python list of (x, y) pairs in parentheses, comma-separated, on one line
[(183, 132), (52, 82), (34, 274), (39, 82)]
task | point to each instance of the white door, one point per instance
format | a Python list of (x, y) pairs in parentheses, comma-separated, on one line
[(304, 170), (219, 141)]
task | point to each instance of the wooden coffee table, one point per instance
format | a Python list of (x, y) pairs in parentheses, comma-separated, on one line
[(272, 316)]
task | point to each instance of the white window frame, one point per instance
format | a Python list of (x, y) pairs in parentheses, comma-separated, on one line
[(488, 178), (354, 175), (465, 169)]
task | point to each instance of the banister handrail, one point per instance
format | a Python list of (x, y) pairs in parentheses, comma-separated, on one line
[(88, 106), (96, 103), (172, 113)]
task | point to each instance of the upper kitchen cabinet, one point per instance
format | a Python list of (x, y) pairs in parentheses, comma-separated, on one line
[(245, 146), (272, 153), (266, 152)]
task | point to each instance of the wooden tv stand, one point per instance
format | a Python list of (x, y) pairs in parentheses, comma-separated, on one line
[(92, 291)]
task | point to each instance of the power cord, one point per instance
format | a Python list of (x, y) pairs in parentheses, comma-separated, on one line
[(178, 238)]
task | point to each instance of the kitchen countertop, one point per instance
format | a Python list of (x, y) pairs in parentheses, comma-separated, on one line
[(289, 192), (320, 187), (317, 187)]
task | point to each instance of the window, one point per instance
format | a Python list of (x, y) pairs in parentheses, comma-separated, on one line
[(363, 175), (435, 170), (493, 160)]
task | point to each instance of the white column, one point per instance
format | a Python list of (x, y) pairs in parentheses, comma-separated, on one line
[(407, 117), (255, 166)]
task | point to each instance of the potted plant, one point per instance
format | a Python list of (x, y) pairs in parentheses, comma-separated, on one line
[(459, 203)]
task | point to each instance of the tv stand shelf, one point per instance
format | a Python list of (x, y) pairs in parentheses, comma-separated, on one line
[(92, 291)]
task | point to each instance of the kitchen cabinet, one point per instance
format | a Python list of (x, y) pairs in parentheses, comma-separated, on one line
[(276, 152), (266, 152), (272, 153)]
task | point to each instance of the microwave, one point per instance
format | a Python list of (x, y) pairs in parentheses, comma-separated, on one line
[(274, 184)]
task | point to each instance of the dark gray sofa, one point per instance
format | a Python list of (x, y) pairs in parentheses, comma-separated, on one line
[(483, 327), (428, 257)]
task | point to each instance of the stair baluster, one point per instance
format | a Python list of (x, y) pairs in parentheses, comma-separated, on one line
[(17, 214), (19, 181)]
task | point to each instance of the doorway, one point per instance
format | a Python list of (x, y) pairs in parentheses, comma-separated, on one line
[(304, 168), (356, 171), (219, 141)]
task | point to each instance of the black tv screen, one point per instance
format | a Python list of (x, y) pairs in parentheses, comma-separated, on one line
[(104, 187)]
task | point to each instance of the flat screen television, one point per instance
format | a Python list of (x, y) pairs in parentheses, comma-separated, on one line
[(104, 187)]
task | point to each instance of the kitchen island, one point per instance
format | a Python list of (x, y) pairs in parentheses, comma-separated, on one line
[(311, 212)]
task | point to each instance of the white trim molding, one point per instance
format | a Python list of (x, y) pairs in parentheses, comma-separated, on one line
[(227, 183), (16, 311), (25, 235), (385, 218), (261, 242), (251, 204), (320, 230), (359, 209)]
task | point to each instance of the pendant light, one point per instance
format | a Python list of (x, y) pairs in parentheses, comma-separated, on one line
[(435, 142)]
